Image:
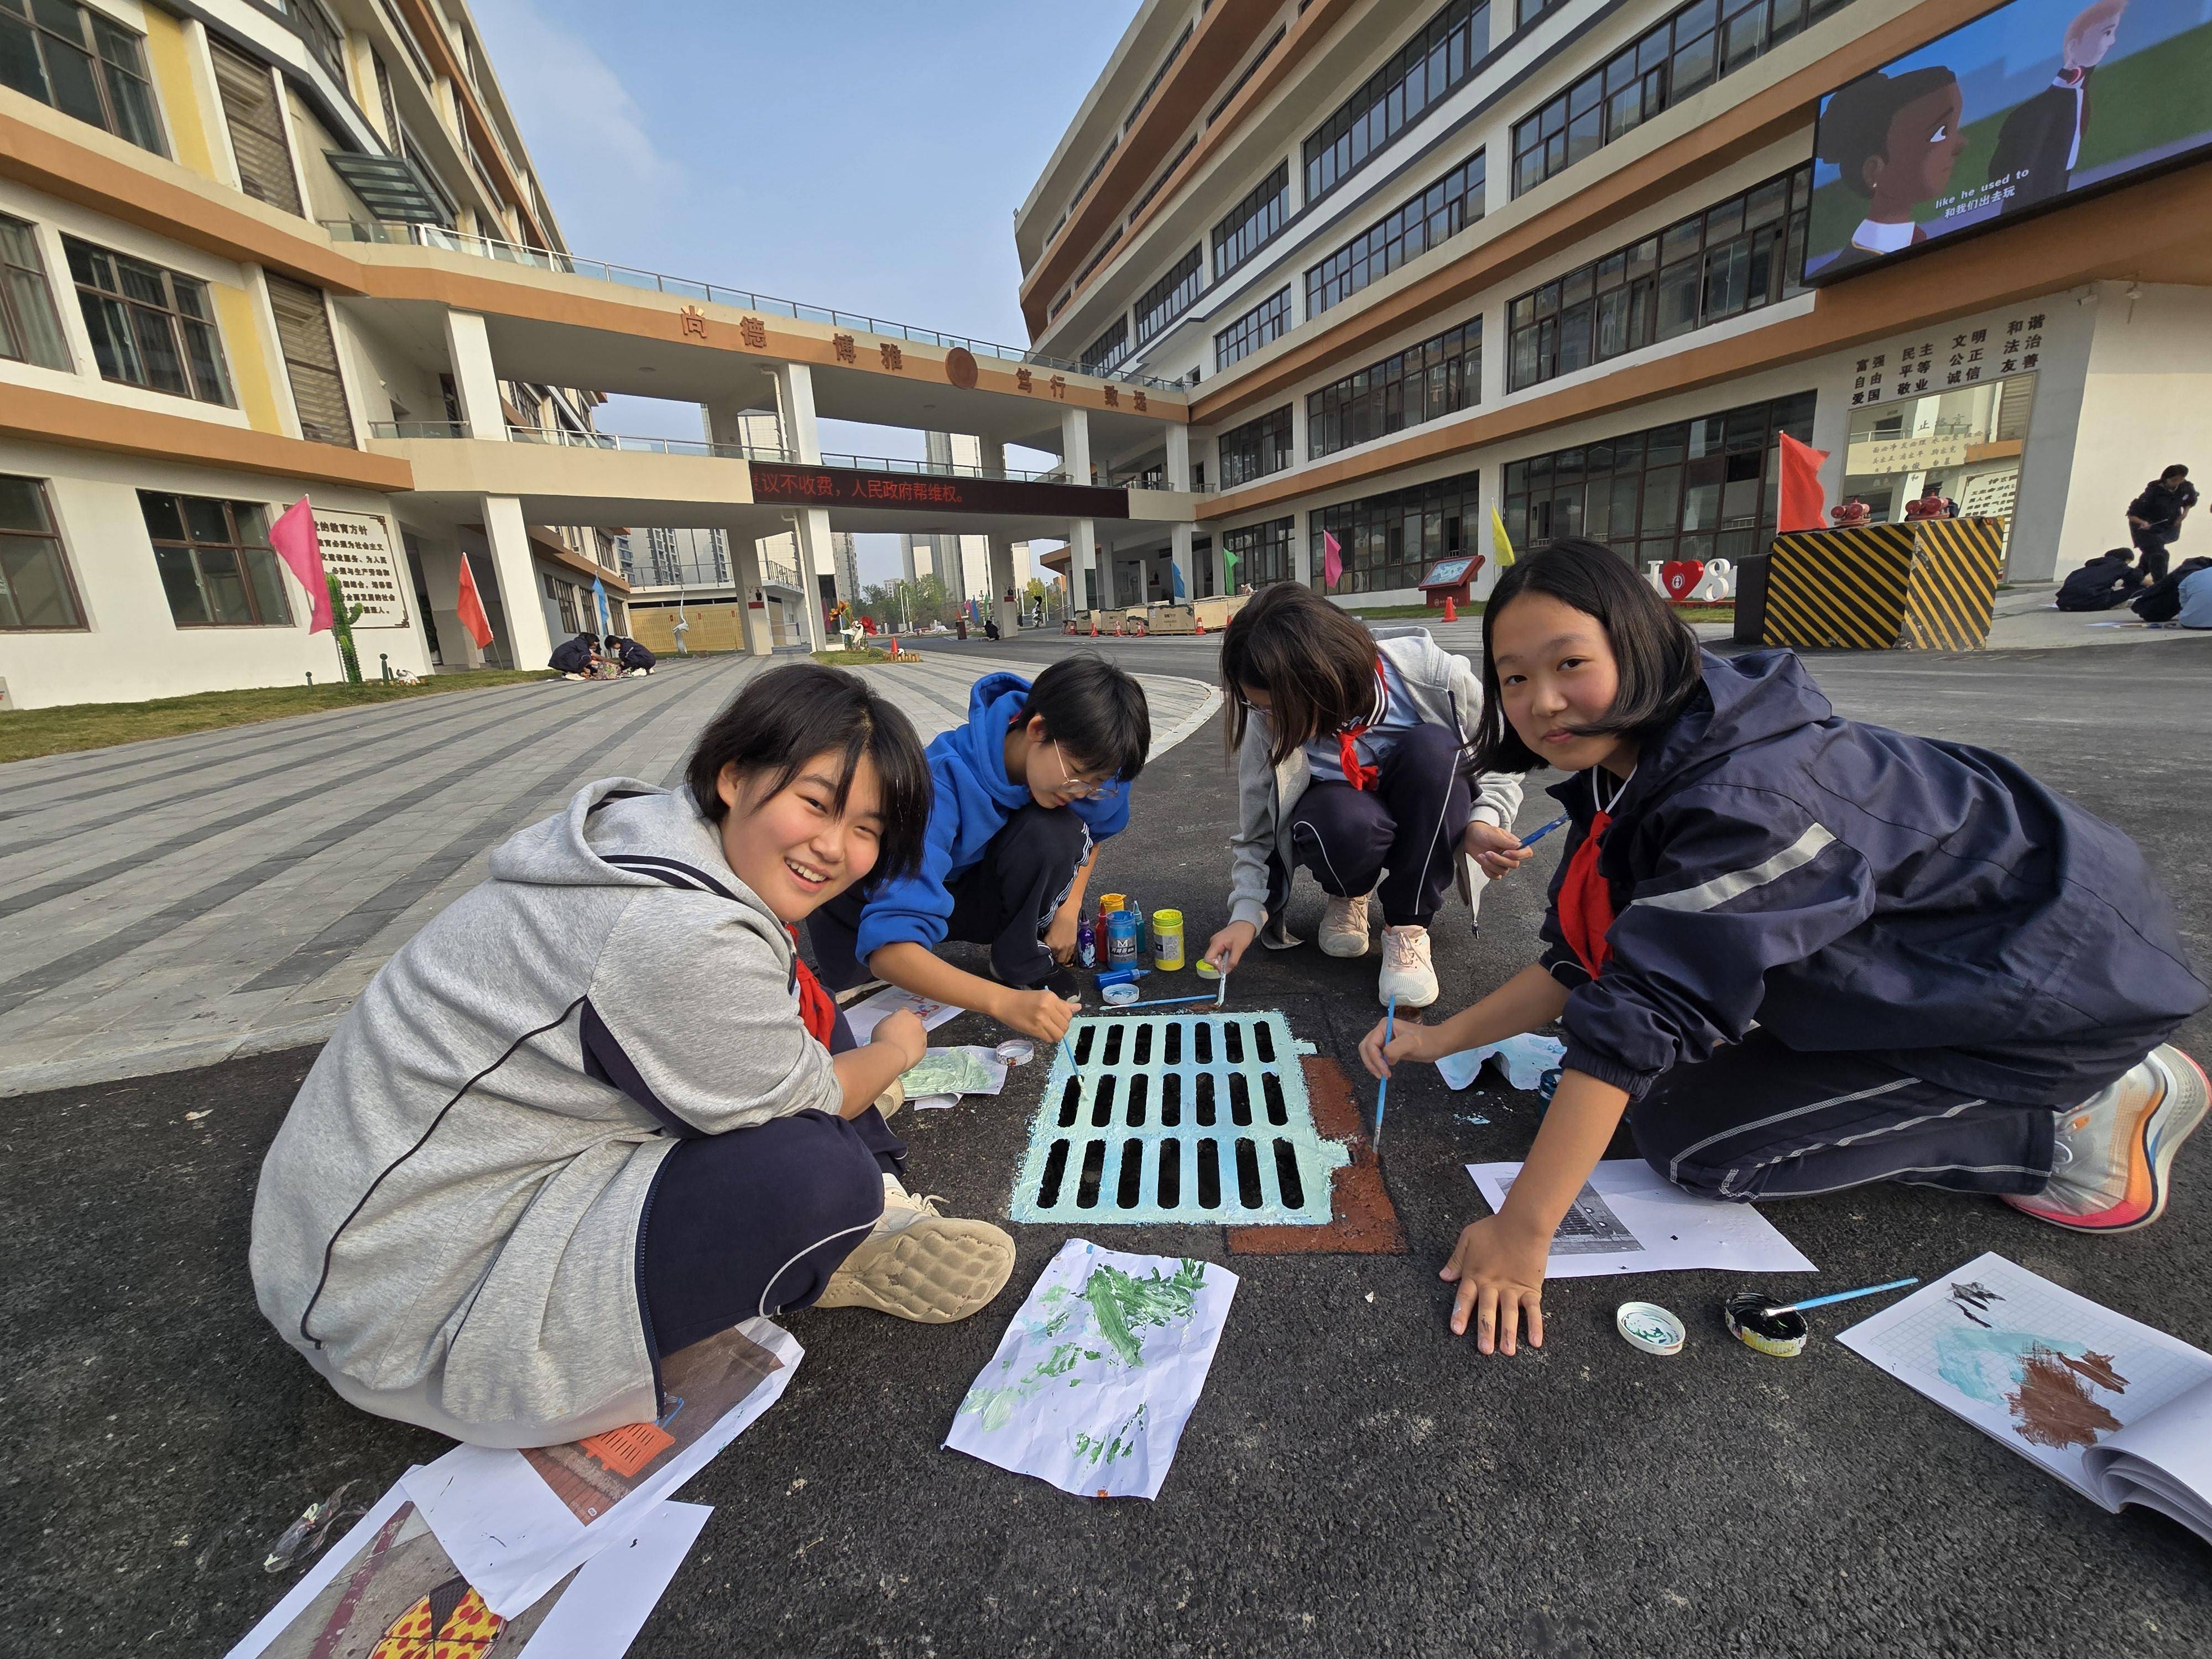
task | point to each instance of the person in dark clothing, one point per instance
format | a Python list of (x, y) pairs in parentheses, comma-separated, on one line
[(2154, 518), (1801, 953), (575, 656), (2161, 601), (2106, 581), (634, 658), (1024, 790), (2039, 144)]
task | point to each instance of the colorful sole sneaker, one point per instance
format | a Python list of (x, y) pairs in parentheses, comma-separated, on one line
[(921, 1265), (2114, 1150)]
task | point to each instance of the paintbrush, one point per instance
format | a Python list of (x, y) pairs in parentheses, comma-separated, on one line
[(1539, 833), (1838, 1296), (1159, 1002), (1382, 1089)]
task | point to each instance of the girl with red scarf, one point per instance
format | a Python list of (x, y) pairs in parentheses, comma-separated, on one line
[(1801, 953)]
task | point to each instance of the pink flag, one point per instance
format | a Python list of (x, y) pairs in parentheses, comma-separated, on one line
[(293, 536), (469, 607), (1332, 561)]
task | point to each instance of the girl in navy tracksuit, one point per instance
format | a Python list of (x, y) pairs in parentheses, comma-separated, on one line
[(1803, 953)]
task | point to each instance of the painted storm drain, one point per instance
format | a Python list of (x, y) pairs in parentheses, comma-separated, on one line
[(1192, 1117)]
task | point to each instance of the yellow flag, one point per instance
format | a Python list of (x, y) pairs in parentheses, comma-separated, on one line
[(1499, 540)]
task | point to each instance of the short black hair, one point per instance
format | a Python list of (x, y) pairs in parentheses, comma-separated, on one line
[(1653, 649), (786, 717), (1854, 126), (614, 640), (1095, 711), (2175, 471)]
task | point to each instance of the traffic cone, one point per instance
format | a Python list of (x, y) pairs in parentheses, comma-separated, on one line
[(1451, 610), (1094, 624)]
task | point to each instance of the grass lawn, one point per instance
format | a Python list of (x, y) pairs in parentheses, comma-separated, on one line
[(28, 732), (841, 659), (1705, 613), (1434, 613)]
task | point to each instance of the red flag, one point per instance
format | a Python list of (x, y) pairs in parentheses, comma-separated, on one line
[(1332, 561), (469, 608), (1803, 507), (293, 536)]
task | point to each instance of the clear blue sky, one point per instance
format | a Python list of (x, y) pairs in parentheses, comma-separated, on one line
[(865, 156)]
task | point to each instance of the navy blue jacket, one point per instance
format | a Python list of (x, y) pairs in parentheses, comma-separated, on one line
[(1851, 888)]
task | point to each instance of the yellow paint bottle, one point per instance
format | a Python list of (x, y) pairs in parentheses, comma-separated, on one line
[(1167, 940)]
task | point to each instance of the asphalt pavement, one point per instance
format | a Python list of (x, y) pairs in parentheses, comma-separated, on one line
[(1354, 1480)]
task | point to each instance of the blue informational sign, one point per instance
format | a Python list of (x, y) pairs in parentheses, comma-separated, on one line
[(2038, 101), (1446, 572)]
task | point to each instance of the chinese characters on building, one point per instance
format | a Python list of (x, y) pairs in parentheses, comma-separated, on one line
[(1955, 357), (357, 551)]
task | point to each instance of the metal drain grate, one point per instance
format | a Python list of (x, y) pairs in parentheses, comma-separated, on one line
[(1178, 1117)]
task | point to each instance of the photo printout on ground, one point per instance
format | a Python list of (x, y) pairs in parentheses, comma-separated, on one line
[(516, 1522), (387, 1587), (1629, 1219), (2118, 1410), (2035, 102), (1099, 1371)]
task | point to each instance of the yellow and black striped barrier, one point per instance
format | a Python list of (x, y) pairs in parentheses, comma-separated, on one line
[(1927, 585)]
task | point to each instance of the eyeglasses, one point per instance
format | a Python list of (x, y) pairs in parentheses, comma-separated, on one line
[(1080, 788)]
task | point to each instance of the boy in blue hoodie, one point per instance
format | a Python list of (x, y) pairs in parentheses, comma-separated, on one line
[(1023, 792)]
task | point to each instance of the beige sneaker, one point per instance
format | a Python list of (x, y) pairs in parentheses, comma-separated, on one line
[(1344, 927), (892, 1098), (1407, 973), (921, 1265)]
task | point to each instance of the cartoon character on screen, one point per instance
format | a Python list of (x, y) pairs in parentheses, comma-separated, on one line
[(1894, 138), (2040, 143)]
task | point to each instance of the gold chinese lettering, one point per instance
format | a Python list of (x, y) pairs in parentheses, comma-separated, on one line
[(1113, 396), (1140, 403), (1059, 385), (753, 333), (1022, 378), (844, 345), (695, 322), (890, 354)]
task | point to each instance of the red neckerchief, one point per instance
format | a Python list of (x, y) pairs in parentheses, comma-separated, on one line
[(818, 1008), (1347, 757), (1585, 896)]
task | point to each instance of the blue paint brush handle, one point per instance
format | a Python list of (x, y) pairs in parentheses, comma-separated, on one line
[(1538, 834), (1383, 1088), (1843, 1296), (1158, 1002)]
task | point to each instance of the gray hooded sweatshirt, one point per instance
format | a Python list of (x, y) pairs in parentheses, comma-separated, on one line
[(449, 1223)]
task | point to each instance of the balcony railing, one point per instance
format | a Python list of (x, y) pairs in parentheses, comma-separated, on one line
[(564, 437), (781, 575), (940, 469), (419, 430), (488, 247)]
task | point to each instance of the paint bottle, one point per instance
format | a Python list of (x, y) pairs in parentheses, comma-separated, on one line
[(1167, 940), (1108, 904), (1122, 939), (1086, 944)]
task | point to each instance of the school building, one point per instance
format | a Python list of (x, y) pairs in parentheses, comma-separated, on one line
[(1414, 261), (254, 250)]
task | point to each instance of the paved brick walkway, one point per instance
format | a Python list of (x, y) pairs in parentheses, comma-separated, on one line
[(172, 903)]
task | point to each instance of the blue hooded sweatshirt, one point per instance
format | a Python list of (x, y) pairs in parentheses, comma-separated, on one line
[(1853, 889), (972, 800)]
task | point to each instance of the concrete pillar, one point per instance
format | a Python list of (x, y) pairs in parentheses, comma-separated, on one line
[(1178, 467), (815, 556), (1075, 445), (529, 639), (468, 347), (794, 408), (1082, 550), (1007, 610), (1301, 554), (745, 570)]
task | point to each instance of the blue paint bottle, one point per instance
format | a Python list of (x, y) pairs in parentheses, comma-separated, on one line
[(1122, 939)]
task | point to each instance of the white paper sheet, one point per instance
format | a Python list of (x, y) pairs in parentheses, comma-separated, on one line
[(864, 1016), (1091, 1387), (517, 1522), (1629, 1219), (2030, 1364), (383, 1570)]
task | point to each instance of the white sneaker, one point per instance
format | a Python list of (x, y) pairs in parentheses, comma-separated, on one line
[(1407, 974), (922, 1265), (1344, 927), (2112, 1153)]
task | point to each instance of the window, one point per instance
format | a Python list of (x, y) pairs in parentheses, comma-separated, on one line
[(323, 37), (1255, 448), (252, 111), (1686, 54), (1253, 222), (1105, 353), (311, 362), (1167, 299), (1250, 70), (1166, 173), (29, 330), (1389, 541), (149, 327), (1427, 68), (1697, 489), (1735, 257), (1097, 167), (35, 590), (1159, 76), (564, 598), (1261, 553), (1526, 12), (1268, 320), (215, 563), (1444, 208), (83, 65), (1438, 377), (1099, 258)]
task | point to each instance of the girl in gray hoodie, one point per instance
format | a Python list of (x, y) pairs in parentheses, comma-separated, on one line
[(591, 1113)]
